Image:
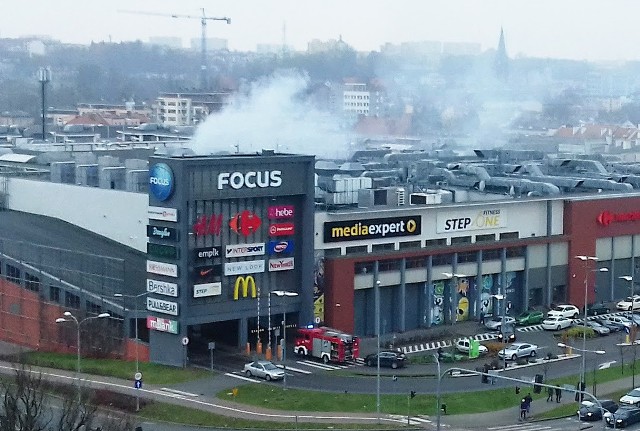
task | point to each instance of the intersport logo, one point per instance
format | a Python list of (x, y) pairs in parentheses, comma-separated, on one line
[(240, 250)]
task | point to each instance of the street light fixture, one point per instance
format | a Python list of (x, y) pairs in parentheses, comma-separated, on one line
[(282, 294), (135, 298), (377, 312), (68, 317), (438, 407), (586, 259), (584, 352), (630, 280)]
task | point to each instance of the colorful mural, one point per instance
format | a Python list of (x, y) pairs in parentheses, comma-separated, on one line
[(437, 308), (318, 289), (486, 290), (462, 294)]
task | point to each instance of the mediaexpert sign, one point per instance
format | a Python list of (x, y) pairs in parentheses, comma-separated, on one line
[(356, 230), (241, 250), (162, 306), (280, 247), (162, 325), (162, 288), (207, 252), (162, 232), (283, 264), (162, 213), (162, 250), (207, 289), (161, 268), (461, 221), (246, 267), (161, 181), (246, 286)]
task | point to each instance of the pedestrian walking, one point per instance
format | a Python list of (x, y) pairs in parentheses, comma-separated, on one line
[(528, 401), (482, 318), (558, 394), (523, 409), (549, 394)]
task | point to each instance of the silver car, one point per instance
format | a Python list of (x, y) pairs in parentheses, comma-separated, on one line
[(519, 350), (265, 369), (496, 322)]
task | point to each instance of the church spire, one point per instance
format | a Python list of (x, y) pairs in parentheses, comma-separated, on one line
[(501, 64)]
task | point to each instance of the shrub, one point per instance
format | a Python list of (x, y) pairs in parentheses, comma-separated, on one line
[(577, 332)]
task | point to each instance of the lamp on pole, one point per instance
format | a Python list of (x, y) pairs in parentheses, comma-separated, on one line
[(586, 260), (452, 276), (438, 393), (500, 297), (630, 280), (135, 305), (68, 317), (282, 294), (377, 313), (584, 352)]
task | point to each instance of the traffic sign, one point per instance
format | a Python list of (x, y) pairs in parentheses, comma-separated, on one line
[(185, 341), (137, 384), (137, 376)]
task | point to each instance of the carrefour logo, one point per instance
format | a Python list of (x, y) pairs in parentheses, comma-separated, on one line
[(161, 181)]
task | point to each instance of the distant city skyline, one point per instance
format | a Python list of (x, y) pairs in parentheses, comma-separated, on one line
[(594, 30)]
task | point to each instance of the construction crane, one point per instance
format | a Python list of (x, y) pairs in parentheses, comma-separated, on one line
[(203, 43)]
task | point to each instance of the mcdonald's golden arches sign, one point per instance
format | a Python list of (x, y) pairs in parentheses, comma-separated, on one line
[(243, 284)]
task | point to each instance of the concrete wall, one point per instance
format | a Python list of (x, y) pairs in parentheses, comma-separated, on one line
[(115, 214)]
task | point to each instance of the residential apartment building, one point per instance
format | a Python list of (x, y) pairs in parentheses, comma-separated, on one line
[(187, 109)]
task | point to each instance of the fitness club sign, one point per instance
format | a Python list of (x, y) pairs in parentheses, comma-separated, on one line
[(605, 218)]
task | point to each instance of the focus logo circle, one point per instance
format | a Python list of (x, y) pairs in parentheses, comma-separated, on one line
[(161, 181)]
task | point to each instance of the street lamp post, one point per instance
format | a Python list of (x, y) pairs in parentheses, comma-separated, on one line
[(584, 355), (281, 294), (438, 393), (500, 297), (68, 317), (630, 280), (377, 313), (135, 305)]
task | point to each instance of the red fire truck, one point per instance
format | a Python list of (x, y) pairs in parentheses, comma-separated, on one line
[(328, 344)]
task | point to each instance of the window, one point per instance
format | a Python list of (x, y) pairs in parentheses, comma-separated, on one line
[(416, 262), (332, 252), (409, 244), (509, 235), (515, 252), (491, 254), (357, 249), (13, 274), (93, 308), (31, 282), (364, 268), (382, 247), (54, 294), (461, 240), (442, 259), (436, 242), (71, 300), (467, 256), (389, 265), (482, 238)]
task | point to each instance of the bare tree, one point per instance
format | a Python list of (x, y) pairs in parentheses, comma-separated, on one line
[(23, 404), (76, 414)]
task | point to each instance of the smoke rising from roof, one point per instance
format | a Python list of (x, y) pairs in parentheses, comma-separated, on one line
[(274, 114)]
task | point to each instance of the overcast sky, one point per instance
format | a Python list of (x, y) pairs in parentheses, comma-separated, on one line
[(572, 29)]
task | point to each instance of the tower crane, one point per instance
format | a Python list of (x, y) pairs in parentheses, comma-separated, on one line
[(203, 43)]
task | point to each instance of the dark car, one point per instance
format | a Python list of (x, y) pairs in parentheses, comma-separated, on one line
[(590, 411), (624, 416), (613, 326), (388, 358), (597, 309), (507, 334)]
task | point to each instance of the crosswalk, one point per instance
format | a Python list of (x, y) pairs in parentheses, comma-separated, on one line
[(413, 420), (538, 327), (528, 426), (302, 367), (421, 347)]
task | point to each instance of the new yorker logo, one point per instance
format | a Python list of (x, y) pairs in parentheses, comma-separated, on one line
[(251, 179), (166, 233), (353, 230)]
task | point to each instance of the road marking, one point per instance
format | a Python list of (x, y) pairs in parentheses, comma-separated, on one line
[(165, 394), (297, 370), (311, 364), (242, 377), (177, 392), (524, 427)]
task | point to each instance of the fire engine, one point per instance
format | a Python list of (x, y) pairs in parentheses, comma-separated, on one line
[(328, 344)]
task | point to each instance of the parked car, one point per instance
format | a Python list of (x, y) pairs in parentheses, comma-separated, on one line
[(556, 323), (463, 345), (564, 310), (496, 322), (634, 317), (613, 326), (590, 411), (388, 358), (629, 303), (597, 309), (265, 369), (621, 320), (597, 328), (623, 417), (530, 317), (632, 397), (518, 350), (507, 334)]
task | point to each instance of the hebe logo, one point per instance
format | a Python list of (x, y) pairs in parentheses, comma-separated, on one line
[(280, 212), (161, 181)]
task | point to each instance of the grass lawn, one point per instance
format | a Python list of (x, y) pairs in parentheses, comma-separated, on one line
[(153, 374), (184, 415)]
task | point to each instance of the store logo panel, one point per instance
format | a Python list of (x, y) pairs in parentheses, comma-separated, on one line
[(162, 288), (240, 250), (162, 250), (162, 306), (246, 267), (207, 289), (605, 218), (161, 268), (250, 180), (162, 232), (245, 223), (283, 264), (357, 230), (244, 286), (281, 229), (280, 212), (280, 247), (162, 213), (161, 182), (207, 252), (207, 272), (208, 225), (162, 325), (460, 221)]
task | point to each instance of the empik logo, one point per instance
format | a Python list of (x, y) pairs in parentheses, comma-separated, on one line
[(161, 181)]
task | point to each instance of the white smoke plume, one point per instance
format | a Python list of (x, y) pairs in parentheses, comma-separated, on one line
[(272, 115)]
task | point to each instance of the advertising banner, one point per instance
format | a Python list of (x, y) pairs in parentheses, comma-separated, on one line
[(162, 306), (161, 268), (207, 289), (162, 325), (358, 230), (162, 213), (162, 288), (247, 267)]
